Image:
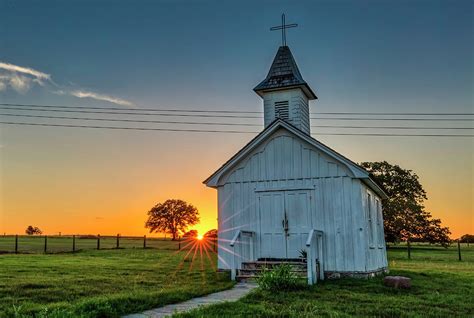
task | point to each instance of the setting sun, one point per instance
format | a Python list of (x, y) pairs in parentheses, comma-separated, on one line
[(199, 237)]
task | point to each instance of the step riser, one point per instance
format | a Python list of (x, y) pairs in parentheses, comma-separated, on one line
[(252, 270), (257, 273), (253, 266)]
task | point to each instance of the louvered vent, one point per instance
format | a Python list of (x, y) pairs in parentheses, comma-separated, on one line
[(281, 110)]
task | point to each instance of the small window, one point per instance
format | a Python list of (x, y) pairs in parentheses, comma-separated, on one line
[(281, 110), (370, 225), (380, 231)]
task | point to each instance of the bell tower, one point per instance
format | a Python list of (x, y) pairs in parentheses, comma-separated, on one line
[(284, 92)]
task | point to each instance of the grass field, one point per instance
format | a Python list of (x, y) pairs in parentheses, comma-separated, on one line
[(109, 283), (59, 244), (106, 283), (442, 287)]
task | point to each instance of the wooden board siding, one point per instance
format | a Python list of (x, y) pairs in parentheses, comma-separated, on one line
[(376, 252), (286, 162)]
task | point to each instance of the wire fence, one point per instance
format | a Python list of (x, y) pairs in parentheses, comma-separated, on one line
[(73, 243)]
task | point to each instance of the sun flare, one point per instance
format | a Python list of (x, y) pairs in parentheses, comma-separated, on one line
[(199, 237)]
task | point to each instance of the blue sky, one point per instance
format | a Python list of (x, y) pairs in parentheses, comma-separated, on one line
[(386, 56), (360, 55)]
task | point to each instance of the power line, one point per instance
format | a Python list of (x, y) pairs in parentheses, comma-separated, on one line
[(226, 124), (129, 128), (225, 131), (128, 113), (233, 111), (231, 116), (134, 120), (137, 109)]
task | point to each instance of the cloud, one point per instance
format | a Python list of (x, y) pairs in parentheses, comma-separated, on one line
[(25, 70), (21, 79), (19, 83), (101, 97)]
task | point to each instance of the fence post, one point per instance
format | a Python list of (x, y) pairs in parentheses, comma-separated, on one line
[(409, 248), (179, 243), (118, 243), (73, 243), (98, 241), (45, 243), (144, 241), (459, 250), (16, 244)]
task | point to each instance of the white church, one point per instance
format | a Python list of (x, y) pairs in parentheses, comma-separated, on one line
[(286, 197)]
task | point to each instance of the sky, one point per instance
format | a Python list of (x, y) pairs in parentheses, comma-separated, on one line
[(358, 56)]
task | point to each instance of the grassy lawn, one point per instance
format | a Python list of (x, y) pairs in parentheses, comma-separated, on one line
[(442, 287), (58, 244), (104, 283), (109, 283)]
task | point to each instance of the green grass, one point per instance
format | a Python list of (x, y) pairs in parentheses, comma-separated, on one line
[(442, 287), (106, 283), (109, 283), (58, 244)]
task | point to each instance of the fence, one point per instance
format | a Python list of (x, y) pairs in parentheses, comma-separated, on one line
[(417, 250), (74, 243)]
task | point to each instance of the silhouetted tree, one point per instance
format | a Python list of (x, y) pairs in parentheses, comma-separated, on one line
[(32, 230), (172, 216), (211, 234), (404, 213), (467, 238), (191, 234)]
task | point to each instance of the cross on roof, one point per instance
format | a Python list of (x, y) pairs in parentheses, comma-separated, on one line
[(283, 28)]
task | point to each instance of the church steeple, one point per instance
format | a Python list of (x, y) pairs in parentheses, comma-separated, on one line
[(285, 94)]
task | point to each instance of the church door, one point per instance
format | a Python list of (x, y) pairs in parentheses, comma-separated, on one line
[(285, 221)]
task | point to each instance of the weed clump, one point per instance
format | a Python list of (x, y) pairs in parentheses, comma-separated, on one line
[(280, 278)]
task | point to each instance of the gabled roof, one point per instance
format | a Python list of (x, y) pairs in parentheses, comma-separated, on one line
[(284, 73), (358, 171)]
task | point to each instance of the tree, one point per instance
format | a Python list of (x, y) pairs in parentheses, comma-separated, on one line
[(211, 234), (32, 230), (467, 238), (172, 216), (404, 213), (191, 234)]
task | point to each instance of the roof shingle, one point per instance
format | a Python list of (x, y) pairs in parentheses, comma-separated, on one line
[(284, 73)]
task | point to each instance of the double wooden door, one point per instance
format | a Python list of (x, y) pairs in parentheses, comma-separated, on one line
[(285, 222)]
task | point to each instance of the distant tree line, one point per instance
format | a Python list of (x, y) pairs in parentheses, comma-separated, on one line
[(467, 238)]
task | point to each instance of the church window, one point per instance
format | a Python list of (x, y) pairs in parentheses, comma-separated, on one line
[(282, 110), (381, 238), (370, 227)]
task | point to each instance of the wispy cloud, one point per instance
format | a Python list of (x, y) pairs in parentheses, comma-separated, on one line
[(102, 97), (21, 79), (24, 70)]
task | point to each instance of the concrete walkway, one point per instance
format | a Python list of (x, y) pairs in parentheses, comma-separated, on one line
[(233, 294)]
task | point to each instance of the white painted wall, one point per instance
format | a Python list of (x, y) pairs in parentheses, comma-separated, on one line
[(298, 107), (285, 162)]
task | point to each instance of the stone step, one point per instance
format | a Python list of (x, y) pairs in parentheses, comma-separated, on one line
[(257, 272), (272, 264)]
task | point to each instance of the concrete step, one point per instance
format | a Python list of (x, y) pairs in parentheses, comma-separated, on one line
[(257, 272), (271, 264)]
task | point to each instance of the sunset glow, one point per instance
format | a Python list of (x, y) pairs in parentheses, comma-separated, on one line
[(104, 181), (199, 237)]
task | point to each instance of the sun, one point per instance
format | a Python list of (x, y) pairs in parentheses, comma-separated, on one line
[(199, 237)]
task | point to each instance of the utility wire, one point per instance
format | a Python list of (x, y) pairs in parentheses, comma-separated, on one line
[(226, 124), (231, 116), (225, 131), (232, 111), (137, 109), (135, 120)]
